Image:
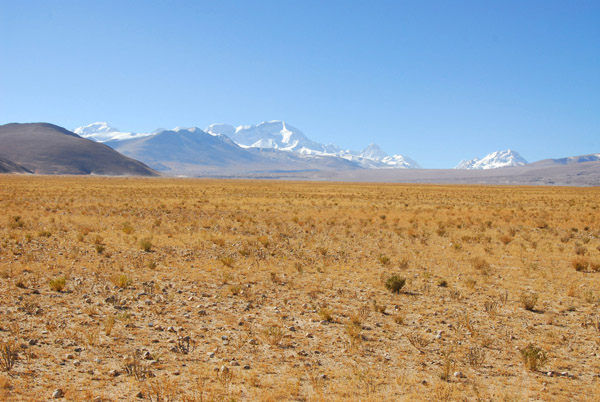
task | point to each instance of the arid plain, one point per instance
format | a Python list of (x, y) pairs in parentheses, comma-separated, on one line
[(204, 290)]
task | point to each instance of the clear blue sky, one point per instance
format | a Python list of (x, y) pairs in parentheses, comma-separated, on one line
[(439, 81)]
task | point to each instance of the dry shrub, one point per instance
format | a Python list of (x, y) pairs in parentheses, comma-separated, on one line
[(533, 357), (58, 284), (8, 355), (529, 300)]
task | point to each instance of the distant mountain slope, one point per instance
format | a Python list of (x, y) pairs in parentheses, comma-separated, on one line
[(494, 160), (7, 166), (567, 161), (44, 148), (195, 152)]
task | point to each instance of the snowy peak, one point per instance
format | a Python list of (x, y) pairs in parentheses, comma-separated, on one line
[(273, 134), (221, 129), (494, 160), (103, 132), (373, 152)]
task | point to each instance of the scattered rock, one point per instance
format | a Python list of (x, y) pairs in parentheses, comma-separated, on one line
[(58, 393), (459, 374)]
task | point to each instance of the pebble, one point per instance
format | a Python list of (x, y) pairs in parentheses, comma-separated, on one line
[(253, 342), (113, 373), (58, 393), (459, 374), (247, 367), (211, 354), (69, 356)]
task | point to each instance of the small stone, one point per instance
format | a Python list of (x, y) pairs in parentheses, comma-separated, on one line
[(171, 329), (113, 373), (224, 337), (76, 363), (323, 377), (32, 342), (459, 374), (211, 354), (139, 395), (234, 363), (78, 350), (176, 372), (58, 393), (247, 367), (69, 356), (292, 328), (309, 335), (150, 324)]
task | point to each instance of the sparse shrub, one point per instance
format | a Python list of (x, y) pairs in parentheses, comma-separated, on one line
[(264, 240), (443, 283), (384, 260), (134, 366), (58, 284), (475, 356), (44, 233), (16, 222), (533, 357), (8, 355), (219, 241), (109, 324), (184, 345), (146, 244), (326, 314), (395, 283), (418, 341), (121, 281), (506, 239), (480, 264), (580, 264), (528, 300), (99, 248), (235, 289), (227, 261), (580, 250), (127, 228), (273, 335)]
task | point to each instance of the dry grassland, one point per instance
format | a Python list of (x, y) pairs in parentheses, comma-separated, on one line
[(196, 290)]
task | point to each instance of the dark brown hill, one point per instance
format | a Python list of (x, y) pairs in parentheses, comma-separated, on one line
[(44, 148)]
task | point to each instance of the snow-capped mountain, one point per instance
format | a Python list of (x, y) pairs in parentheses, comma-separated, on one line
[(103, 132), (272, 134), (275, 135), (281, 136), (373, 152), (494, 160)]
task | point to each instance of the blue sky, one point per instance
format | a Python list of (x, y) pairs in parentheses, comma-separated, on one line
[(438, 81)]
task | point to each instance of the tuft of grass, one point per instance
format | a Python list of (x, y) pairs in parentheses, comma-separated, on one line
[(395, 283), (121, 281), (529, 300), (127, 228), (326, 314), (58, 284), (384, 260), (8, 355), (533, 357), (146, 244), (580, 264)]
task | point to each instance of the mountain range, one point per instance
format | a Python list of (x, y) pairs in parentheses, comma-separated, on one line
[(273, 135), (267, 150)]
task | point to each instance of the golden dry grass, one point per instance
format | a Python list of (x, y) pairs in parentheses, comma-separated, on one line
[(198, 290)]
